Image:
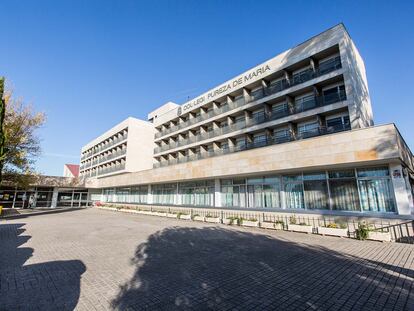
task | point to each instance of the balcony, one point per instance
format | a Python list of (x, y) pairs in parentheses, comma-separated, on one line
[(310, 103), (268, 141), (114, 168), (281, 85)]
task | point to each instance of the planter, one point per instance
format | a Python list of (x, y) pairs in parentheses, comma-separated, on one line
[(271, 225), (333, 231), (300, 228), (268, 225), (171, 215), (198, 218), (185, 217), (213, 219), (228, 221), (379, 236), (160, 214), (250, 223)]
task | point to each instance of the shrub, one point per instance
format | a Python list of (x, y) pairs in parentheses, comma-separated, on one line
[(292, 220), (280, 222), (332, 225), (303, 224), (362, 232)]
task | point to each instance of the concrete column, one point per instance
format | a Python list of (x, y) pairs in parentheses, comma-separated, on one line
[(246, 95), (54, 197), (231, 143), (409, 191), (291, 103), (217, 193), (149, 195), (400, 189), (177, 197), (248, 116)]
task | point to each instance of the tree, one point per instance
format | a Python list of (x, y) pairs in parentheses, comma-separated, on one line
[(21, 145)]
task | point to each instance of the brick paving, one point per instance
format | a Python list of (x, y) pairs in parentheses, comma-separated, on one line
[(102, 260)]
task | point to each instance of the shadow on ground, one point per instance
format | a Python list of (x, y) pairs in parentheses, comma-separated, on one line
[(217, 268), (51, 285)]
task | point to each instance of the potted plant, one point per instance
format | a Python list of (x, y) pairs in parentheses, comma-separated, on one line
[(301, 227), (364, 232), (211, 218), (197, 217), (251, 222), (333, 229)]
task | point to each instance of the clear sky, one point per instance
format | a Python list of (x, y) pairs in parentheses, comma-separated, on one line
[(90, 64)]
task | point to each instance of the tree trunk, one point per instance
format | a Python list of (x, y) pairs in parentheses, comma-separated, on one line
[(2, 132)]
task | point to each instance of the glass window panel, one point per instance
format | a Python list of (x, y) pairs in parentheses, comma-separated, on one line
[(314, 176), (316, 194), (294, 195), (344, 194), (373, 172), (376, 195), (342, 174)]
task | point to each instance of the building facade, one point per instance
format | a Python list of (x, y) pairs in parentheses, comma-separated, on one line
[(295, 133), (127, 147)]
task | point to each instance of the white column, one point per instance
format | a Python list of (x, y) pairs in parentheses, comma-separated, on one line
[(149, 199), (400, 189), (217, 193), (54, 197)]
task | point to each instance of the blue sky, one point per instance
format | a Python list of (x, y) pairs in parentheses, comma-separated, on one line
[(90, 64)]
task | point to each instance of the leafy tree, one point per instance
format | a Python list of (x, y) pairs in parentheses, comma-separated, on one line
[(2, 134), (21, 146)]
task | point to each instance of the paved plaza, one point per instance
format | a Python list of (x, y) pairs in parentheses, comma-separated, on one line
[(101, 260)]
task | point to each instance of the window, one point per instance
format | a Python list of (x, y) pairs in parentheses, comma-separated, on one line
[(305, 102), (293, 187), (329, 64), (338, 123), (258, 115), (164, 194), (334, 94), (264, 192), (259, 139), (197, 193), (375, 190), (233, 193), (280, 109), (344, 191), (308, 129), (303, 75), (316, 191)]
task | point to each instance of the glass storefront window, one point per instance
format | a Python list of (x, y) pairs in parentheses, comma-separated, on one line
[(316, 191), (344, 190), (375, 190)]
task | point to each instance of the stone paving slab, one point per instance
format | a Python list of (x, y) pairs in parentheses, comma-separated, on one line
[(101, 260)]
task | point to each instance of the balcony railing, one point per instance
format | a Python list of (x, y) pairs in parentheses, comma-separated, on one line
[(267, 141), (114, 168), (311, 103), (281, 85)]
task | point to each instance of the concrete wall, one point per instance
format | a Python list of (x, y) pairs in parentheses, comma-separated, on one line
[(140, 148)]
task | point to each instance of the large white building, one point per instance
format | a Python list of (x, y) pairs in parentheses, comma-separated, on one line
[(295, 133)]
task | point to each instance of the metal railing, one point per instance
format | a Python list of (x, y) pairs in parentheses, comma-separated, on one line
[(281, 85), (311, 103), (267, 141)]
